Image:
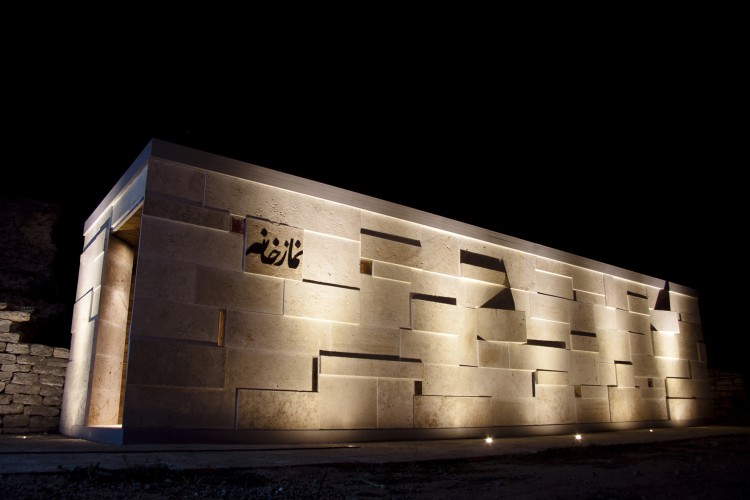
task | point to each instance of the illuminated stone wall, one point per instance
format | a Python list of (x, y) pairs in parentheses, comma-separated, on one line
[(258, 307)]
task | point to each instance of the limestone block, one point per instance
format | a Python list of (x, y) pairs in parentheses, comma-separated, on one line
[(154, 317), (75, 397), (450, 411), (615, 292), (128, 199), (690, 331), (540, 329), (500, 325), (519, 266), (99, 227), (665, 344), (532, 357), (5, 325), (605, 317), (175, 180), (384, 302), (239, 291), (625, 375), (246, 369), (364, 339), (584, 342), (104, 398), (690, 318), (94, 248), (277, 409), (514, 411), (364, 367), (690, 409), (395, 404), (165, 279), (654, 409), (683, 303), (281, 251), (582, 317), (613, 346), (641, 344), (669, 367), (110, 339), (688, 388), (625, 404), (688, 349), (390, 225), (594, 392), (177, 241), (501, 383), (440, 285), (348, 402), (699, 370), (584, 368), (161, 363), (163, 208), (493, 354), (440, 251), (550, 308), (554, 284), (437, 317), (592, 410), (665, 321), (590, 298), (545, 377), (243, 197), (555, 404), (90, 275), (583, 279), (468, 350), (81, 313), (632, 322), (653, 393), (271, 332), (391, 271), (178, 407), (323, 216), (96, 300), (607, 374), (645, 366), (429, 347), (483, 274), (312, 300), (638, 304), (521, 301), (478, 294), (443, 380), (330, 259), (404, 252)]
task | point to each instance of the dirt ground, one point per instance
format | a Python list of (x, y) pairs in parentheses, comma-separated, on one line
[(712, 468)]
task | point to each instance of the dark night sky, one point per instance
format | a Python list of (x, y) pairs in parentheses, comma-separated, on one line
[(625, 160)]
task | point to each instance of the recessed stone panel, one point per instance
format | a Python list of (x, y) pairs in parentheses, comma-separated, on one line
[(438, 348), (177, 241), (434, 412), (514, 411), (638, 304), (175, 180), (440, 251), (500, 325), (178, 407), (384, 302), (271, 332), (533, 357), (237, 290), (519, 266), (246, 369), (315, 301), (437, 317), (277, 410), (592, 410), (348, 402), (584, 368), (154, 317), (550, 308), (554, 284), (545, 377), (395, 404), (493, 354), (584, 343), (243, 197), (280, 251), (665, 321), (391, 271), (555, 404), (323, 216), (175, 364), (330, 259), (364, 339), (540, 329), (625, 404), (364, 367)]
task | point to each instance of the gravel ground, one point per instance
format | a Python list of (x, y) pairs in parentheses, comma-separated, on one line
[(712, 468)]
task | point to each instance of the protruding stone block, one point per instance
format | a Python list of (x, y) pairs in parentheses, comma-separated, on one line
[(348, 402), (182, 212), (690, 331), (438, 348), (590, 298), (632, 322), (613, 346), (641, 344), (323, 216), (500, 325), (605, 318), (273, 370), (493, 354), (638, 304), (519, 266), (555, 404), (277, 409), (665, 344), (582, 317), (391, 271), (440, 251), (281, 251), (329, 259), (584, 343), (363, 367), (540, 329), (437, 317), (311, 300), (665, 321), (449, 411), (243, 197), (364, 339), (550, 308), (440, 285), (384, 303), (683, 303), (240, 291), (584, 368), (545, 377), (688, 388), (583, 279), (395, 404), (271, 332), (554, 284), (625, 404), (533, 357)]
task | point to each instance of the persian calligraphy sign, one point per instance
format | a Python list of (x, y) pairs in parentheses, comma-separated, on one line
[(273, 250)]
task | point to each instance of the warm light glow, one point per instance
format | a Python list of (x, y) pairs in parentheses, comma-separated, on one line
[(488, 440), (578, 437), (650, 430)]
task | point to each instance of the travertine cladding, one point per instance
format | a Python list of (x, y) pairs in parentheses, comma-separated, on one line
[(32, 377), (261, 308)]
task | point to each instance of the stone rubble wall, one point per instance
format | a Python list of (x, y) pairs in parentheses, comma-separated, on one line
[(729, 395), (31, 378)]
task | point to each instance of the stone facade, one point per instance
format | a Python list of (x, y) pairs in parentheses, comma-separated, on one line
[(263, 302), (32, 377)]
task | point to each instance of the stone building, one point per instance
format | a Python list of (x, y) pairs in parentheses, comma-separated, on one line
[(222, 301)]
